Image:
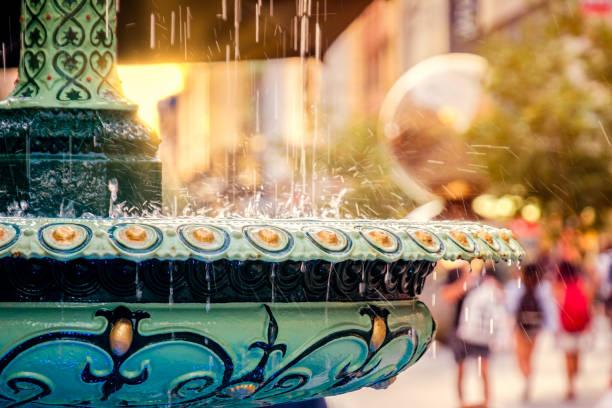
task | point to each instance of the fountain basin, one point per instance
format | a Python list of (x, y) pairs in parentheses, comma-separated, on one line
[(217, 312), (245, 354)]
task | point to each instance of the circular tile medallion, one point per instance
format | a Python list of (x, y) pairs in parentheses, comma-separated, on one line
[(382, 240), (64, 237), (328, 239), (204, 238), (8, 235), (487, 238), (136, 237), (268, 238), (463, 240), (426, 240)]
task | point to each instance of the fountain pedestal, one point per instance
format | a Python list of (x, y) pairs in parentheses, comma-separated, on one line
[(67, 131)]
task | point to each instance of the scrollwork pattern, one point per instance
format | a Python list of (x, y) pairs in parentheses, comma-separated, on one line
[(356, 357)]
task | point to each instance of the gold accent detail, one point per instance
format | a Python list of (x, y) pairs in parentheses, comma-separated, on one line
[(268, 236), (383, 385), (379, 333), (505, 237), (487, 237), (425, 238), (241, 391), (329, 237), (203, 235), (64, 235), (121, 337), (460, 237), (135, 234), (3, 234), (381, 238)]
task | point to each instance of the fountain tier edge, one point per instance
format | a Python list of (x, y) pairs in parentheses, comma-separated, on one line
[(217, 312)]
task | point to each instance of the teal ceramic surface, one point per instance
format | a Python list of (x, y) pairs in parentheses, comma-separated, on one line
[(241, 355)]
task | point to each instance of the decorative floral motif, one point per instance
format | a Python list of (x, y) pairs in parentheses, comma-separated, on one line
[(126, 378), (101, 31), (70, 31), (35, 31), (71, 67), (74, 41)]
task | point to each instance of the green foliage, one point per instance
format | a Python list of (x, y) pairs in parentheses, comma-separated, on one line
[(356, 160), (548, 122)]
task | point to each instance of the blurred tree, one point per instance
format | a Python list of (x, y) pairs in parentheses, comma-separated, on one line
[(355, 160), (546, 130)]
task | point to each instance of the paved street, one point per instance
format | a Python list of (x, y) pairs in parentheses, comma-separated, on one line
[(431, 382)]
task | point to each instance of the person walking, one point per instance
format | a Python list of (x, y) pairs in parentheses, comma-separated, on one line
[(575, 317), (531, 302), (476, 296)]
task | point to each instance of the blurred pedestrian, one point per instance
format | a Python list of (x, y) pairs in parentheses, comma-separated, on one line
[(476, 296), (531, 302), (603, 270), (574, 316)]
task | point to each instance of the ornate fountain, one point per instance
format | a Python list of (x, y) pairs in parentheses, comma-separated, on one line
[(144, 312)]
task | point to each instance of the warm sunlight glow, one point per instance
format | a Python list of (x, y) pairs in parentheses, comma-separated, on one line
[(146, 85)]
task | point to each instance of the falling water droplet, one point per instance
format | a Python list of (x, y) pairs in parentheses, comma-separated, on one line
[(331, 267), (152, 39), (207, 304), (387, 276), (137, 283), (272, 280), (171, 292), (207, 267), (4, 61)]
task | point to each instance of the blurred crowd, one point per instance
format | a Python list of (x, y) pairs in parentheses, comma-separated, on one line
[(564, 285)]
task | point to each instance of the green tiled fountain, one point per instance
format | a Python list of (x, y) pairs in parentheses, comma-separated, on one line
[(185, 312)]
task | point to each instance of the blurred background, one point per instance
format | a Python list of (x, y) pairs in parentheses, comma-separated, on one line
[(491, 110)]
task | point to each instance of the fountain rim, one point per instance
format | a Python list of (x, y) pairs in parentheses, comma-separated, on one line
[(237, 239)]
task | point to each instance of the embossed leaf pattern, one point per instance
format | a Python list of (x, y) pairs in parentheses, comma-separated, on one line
[(27, 92), (71, 36), (272, 327), (100, 36), (35, 35), (73, 95), (101, 63), (33, 62), (71, 63)]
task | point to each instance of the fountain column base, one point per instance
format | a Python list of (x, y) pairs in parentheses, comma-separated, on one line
[(61, 161)]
